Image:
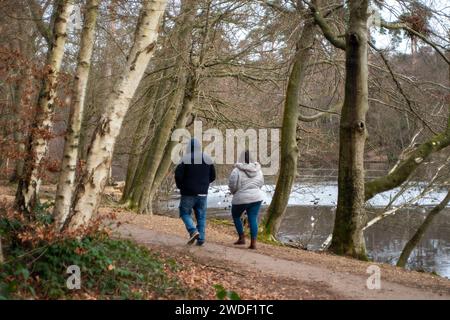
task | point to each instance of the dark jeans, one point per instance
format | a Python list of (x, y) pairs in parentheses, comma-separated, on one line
[(252, 210), (198, 203)]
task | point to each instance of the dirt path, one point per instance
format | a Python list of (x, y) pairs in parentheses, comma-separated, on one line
[(343, 284), (282, 271)]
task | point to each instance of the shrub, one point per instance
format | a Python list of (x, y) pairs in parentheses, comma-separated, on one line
[(37, 258)]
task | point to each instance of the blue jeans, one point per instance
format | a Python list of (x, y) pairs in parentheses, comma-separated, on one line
[(198, 203), (252, 210)]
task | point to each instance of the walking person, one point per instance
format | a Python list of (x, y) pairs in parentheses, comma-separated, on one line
[(193, 176), (245, 184)]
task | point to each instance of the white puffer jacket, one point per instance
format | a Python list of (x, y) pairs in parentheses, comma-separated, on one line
[(245, 183)]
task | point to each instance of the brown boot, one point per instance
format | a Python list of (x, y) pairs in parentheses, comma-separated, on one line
[(252, 244), (241, 239)]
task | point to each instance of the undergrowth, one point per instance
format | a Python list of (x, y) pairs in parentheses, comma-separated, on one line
[(37, 260)]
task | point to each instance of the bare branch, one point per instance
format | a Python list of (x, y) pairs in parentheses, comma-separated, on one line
[(333, 110), (325, 27), (276, 7), (400, 88), (37, 14), (403, 26)]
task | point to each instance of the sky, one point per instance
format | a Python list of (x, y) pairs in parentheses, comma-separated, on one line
[(385, 40)]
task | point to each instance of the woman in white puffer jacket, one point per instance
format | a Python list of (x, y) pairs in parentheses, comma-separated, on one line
[(245, 184)]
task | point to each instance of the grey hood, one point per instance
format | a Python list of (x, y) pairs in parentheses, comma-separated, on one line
[(250, 169), (194, 154)]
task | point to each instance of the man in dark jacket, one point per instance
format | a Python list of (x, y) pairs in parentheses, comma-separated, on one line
[(193, 176)]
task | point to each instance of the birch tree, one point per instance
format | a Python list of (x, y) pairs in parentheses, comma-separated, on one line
[(145, 174), (95, 108), (69, 163), (92, 182), (28, 186)]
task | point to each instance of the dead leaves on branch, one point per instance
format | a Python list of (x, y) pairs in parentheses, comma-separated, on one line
[(32, 231)]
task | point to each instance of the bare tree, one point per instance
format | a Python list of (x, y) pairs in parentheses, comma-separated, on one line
[(289, 147), (28, 187), (22, 97), (69, 164), (1, 252), (144, 181), (418, 235), (414, 241), (291, 116), (94, 178), (348, 235), (166, 160)]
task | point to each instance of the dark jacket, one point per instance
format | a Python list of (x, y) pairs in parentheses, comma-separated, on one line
[(195, 171)]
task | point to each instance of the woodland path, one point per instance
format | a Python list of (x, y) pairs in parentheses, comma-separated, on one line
[(343, 284)]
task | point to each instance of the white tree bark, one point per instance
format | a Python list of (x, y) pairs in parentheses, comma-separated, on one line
[(93, 180), (28, 188), (69, 163), (182, 43)]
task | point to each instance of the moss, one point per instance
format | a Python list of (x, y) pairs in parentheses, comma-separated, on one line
[(269, 239), (361, 255)]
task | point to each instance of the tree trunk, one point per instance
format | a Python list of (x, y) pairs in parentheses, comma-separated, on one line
[(348, 236), (109, 75), (1, 252), (21, 98), (144, 134), (28, 187), (166, 161), (18, 123), (93, 180), (70, 156), (98, 103), (152, 157), (414, 241), (145, 175), (289, 148), (143, 131)]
